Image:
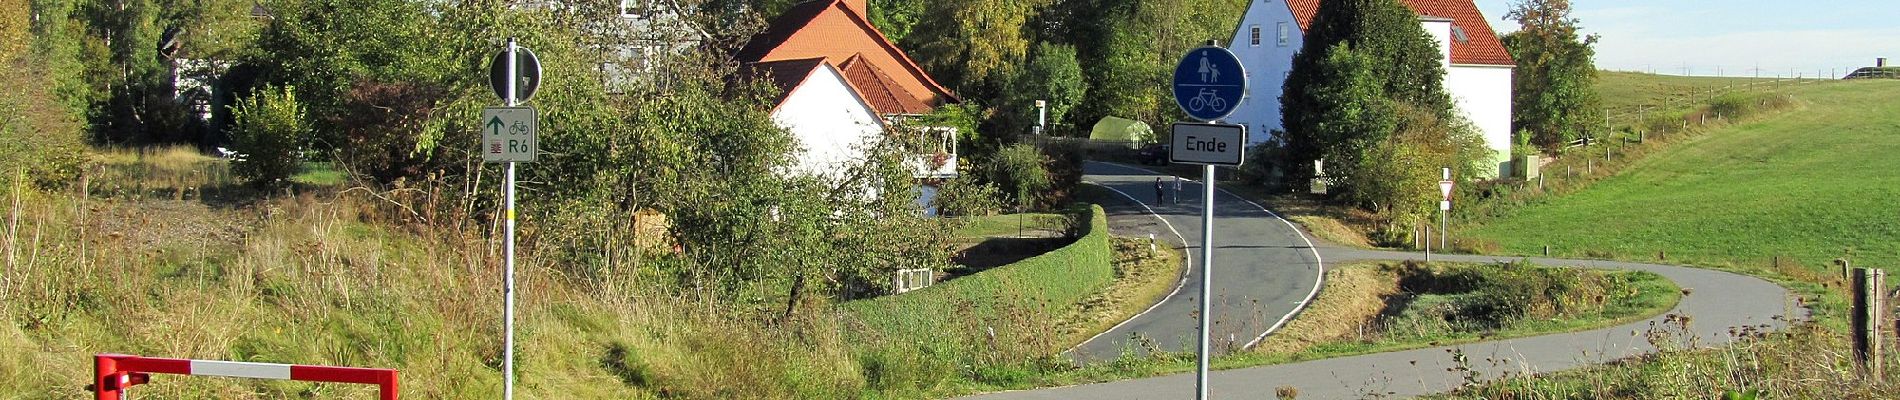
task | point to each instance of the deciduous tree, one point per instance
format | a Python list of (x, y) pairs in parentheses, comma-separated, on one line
[(1555, 96)]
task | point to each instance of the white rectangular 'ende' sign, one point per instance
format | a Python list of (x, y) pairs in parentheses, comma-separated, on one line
[(1209, 144)]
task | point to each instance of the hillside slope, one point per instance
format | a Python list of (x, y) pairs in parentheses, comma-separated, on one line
[(1808, 184)]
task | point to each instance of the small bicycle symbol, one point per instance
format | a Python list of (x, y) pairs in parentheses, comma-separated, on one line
[(1207, 99)]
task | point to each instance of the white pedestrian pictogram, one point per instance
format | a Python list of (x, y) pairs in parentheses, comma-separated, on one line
[(1209, 73)]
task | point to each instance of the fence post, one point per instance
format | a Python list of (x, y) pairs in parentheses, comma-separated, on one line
[(1869, 301)]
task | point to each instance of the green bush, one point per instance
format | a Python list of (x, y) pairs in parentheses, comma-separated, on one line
[(269, 130), (1021, 171), (40, 138), (1492, 296), (966, 196)]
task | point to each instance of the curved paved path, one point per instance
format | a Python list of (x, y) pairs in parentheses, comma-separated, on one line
[(1264, 269), (1720, 300)]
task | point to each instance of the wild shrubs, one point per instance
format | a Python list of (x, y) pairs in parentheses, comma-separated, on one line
[(1021, 171), (269, 131), (964, 195), (1493, 296), (40, 139)]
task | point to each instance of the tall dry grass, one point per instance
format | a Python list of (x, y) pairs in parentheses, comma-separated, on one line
[(348, 279)]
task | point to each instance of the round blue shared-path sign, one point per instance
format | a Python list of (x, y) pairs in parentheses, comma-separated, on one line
[(1209, 83)]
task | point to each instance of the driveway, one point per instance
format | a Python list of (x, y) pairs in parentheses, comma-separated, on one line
[(1263, 270)]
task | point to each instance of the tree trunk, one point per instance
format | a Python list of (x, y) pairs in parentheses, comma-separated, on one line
[(791, 300)]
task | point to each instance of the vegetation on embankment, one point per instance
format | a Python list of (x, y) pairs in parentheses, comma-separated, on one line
[(340, 279), (1779, 198), (1807, 187), (983, 327)]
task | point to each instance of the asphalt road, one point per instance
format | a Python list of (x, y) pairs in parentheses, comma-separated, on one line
[(1264, 269), (1255, 260)]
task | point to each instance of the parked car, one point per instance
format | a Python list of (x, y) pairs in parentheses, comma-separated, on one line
[(1154, 154)]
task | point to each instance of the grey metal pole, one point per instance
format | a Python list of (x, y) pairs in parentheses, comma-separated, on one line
[(508, 250), (1207, 274)]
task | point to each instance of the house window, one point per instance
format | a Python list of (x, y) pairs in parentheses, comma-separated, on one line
[(1286, 35), (1256, 35), (1459, 35)]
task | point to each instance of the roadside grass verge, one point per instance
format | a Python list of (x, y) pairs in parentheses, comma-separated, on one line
[(1379, 307), (992, 328), (1806, 361), (1144, 274)]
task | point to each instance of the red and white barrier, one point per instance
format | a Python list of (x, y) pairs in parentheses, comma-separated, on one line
[(113, 373)]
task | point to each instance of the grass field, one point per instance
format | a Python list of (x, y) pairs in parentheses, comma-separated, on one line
[(1627, 95), (1810, 186), (1801, 187)]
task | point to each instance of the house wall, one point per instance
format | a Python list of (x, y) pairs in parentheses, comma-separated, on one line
[(1267, 66), (1482, 94), (830, 122), (1440, 31)]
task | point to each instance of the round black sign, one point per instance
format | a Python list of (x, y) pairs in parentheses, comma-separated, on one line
[(527, 74)]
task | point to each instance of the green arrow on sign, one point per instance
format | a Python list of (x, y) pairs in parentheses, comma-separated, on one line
[(494, 123)]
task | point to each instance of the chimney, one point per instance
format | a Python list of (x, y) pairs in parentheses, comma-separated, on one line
[(1880, 62), (857, 6)]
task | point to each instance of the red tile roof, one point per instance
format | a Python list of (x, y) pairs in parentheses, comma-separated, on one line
[(832, 29), (877, 88), (1482, 48), (787, 75)]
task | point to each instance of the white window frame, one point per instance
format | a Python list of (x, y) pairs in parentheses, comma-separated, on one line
[(1286, 35), (1255, 38)]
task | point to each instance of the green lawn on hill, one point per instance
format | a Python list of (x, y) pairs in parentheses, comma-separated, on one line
[(1808, 184)]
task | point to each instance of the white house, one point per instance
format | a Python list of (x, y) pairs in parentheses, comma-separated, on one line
[(1477, 67), (823, 111)]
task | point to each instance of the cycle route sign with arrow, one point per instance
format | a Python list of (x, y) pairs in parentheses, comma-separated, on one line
[(509, 133), (1209, 83)]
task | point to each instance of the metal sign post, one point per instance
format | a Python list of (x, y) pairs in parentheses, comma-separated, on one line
[(1444, 210), (1209, 84), (509, 135)]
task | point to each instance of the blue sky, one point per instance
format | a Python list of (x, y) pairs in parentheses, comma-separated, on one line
[(1702, 37)]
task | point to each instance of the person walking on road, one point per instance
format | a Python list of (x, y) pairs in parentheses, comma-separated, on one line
[(1161, 192)]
